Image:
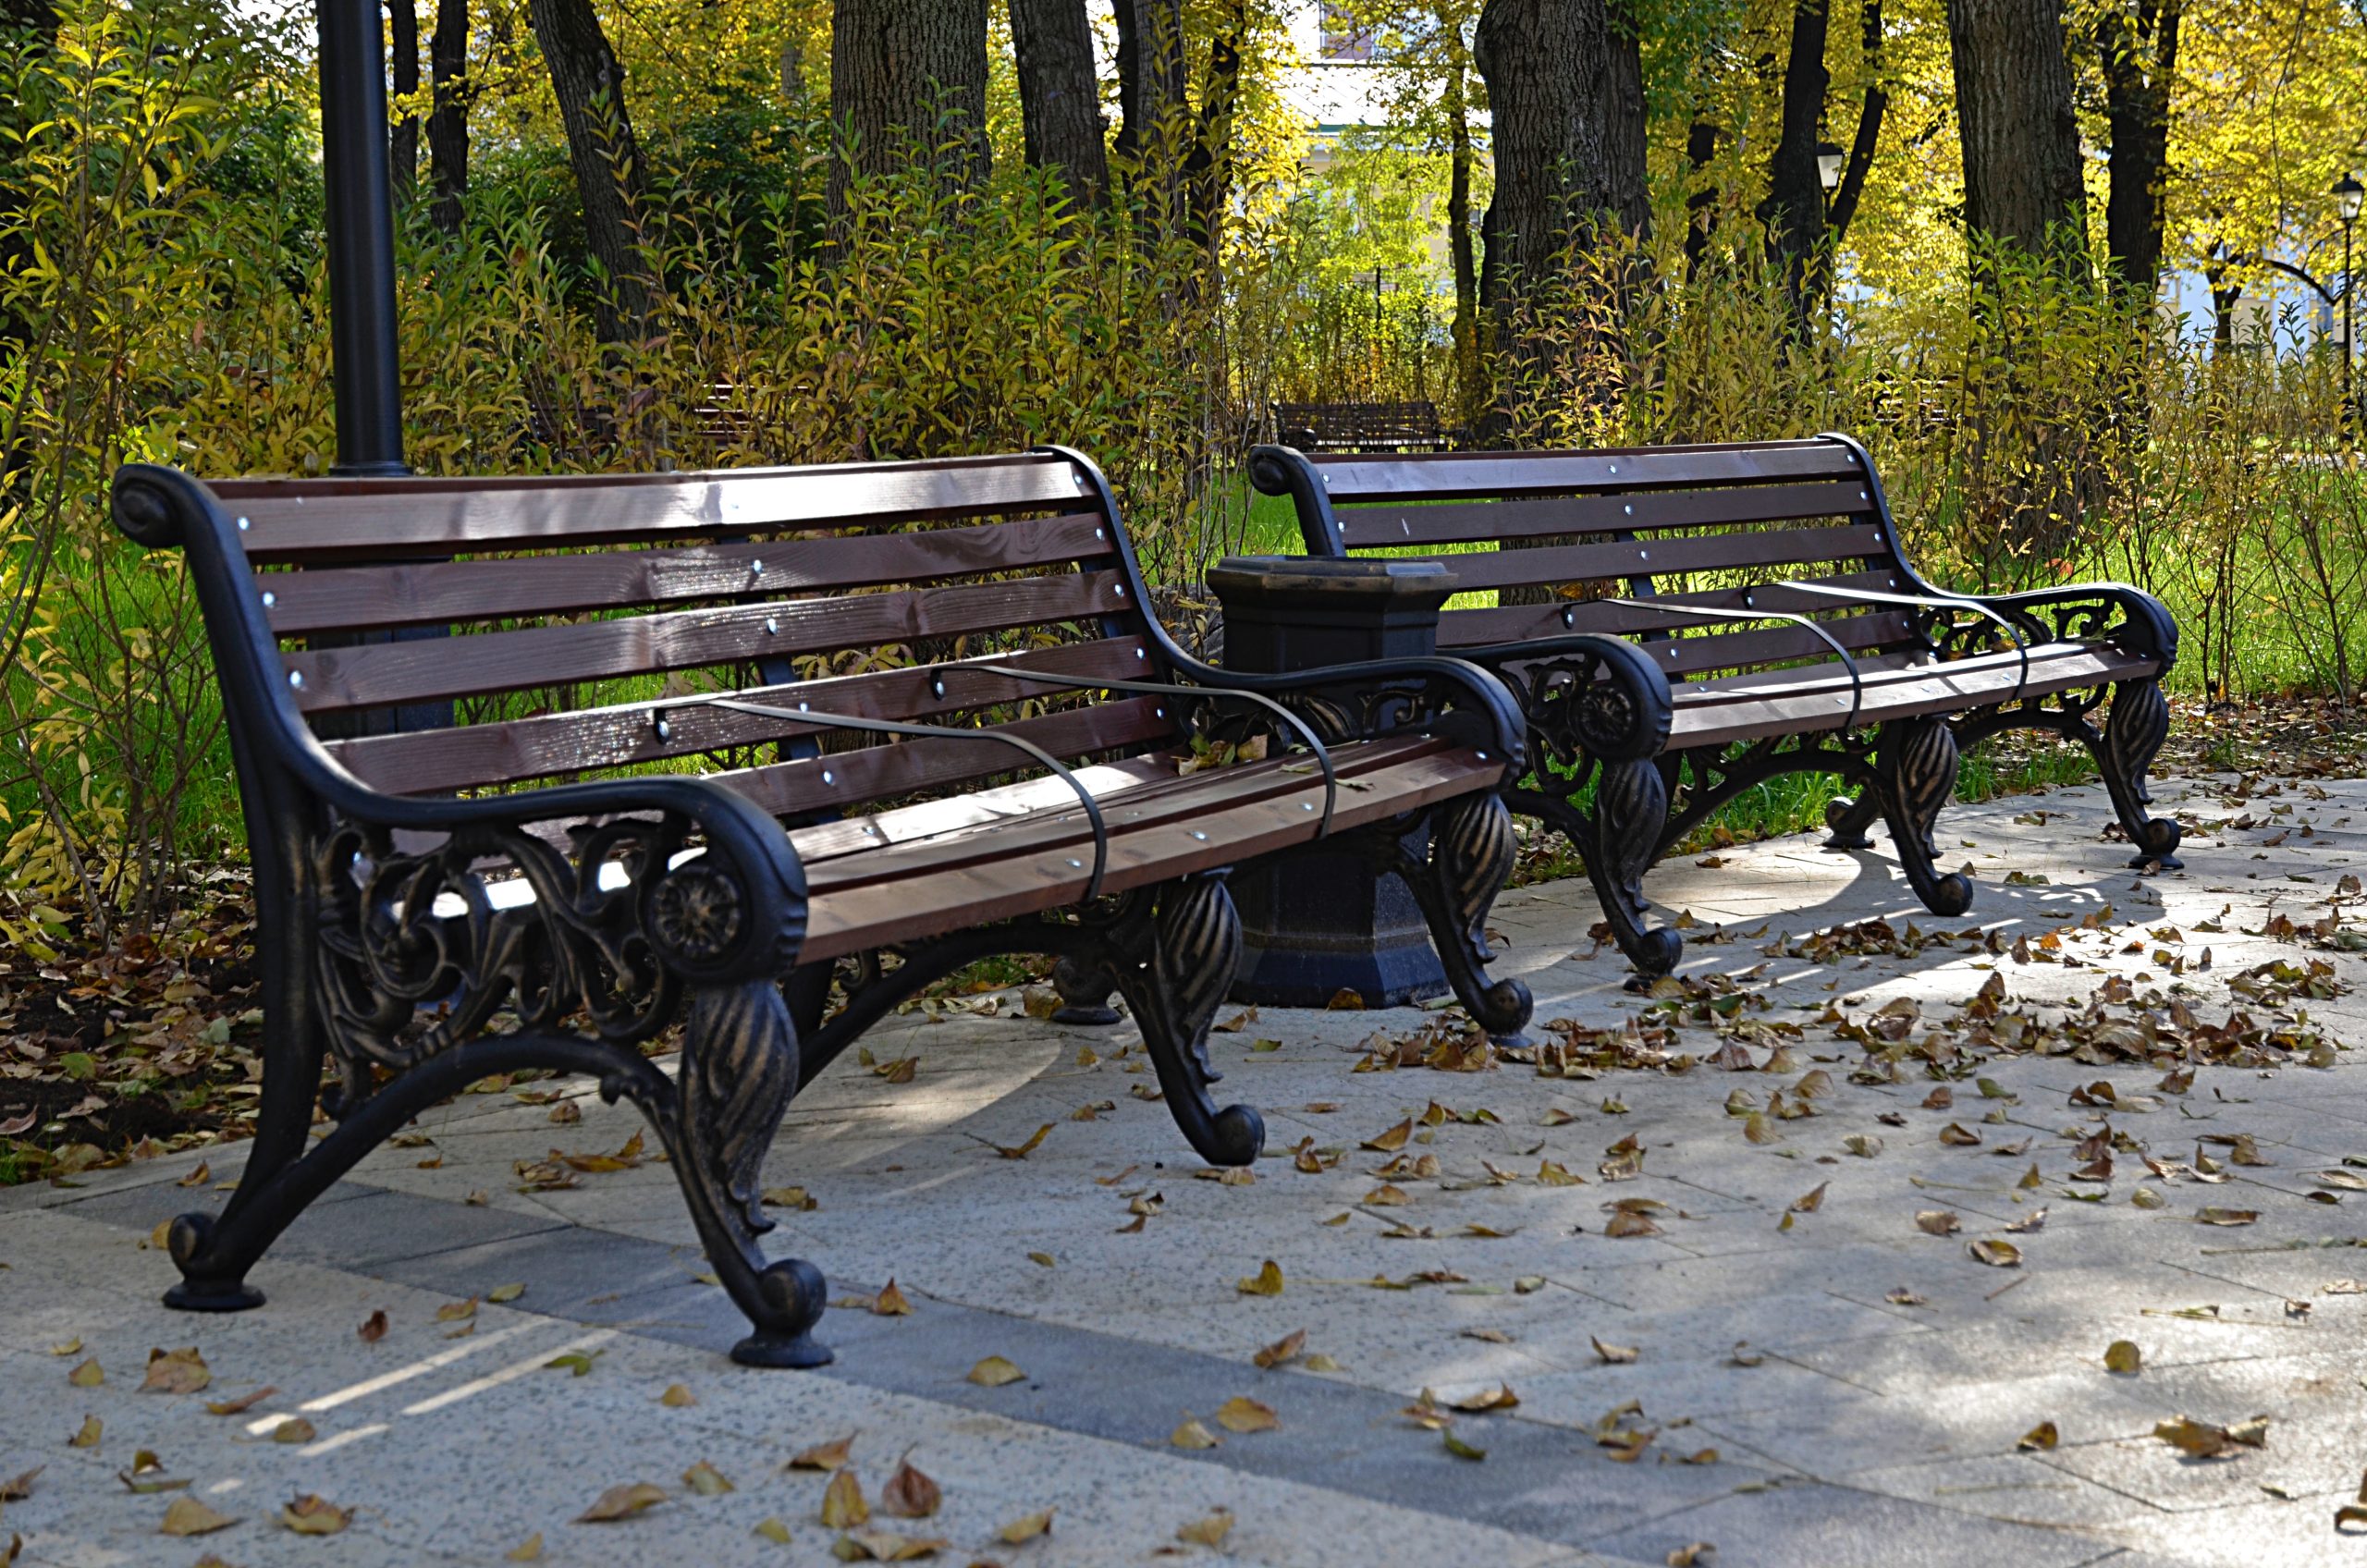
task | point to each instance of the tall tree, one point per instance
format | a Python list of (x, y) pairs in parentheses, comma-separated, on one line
[(1208, 167), (590, 85), (447, 117), (1566, 101), (2022, 178), (402, 36), (1870, 108), (1154, 108), (1060, 97), (1793, 211), (907, 73), (2139, 51)]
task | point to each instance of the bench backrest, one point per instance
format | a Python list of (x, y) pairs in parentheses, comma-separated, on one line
[(570, 610), (1357, 427), (1554, 534)]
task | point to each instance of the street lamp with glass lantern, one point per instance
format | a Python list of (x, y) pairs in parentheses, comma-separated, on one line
[(2346, 194), (1829, 160)]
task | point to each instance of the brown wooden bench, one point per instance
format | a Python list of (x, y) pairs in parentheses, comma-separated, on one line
[(1684, 622), (764, 753), (1360, 427)]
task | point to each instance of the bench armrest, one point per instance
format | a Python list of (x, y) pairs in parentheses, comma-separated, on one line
[(748, 864), (2113, 611), (1587, 691)]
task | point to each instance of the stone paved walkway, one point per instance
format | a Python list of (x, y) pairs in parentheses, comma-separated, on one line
[(1839, 1390)]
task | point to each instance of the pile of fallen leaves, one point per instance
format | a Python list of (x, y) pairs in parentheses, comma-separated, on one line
[(113, 1053)]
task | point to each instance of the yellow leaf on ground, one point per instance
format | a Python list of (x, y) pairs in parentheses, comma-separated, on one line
[(456, 1311), (822, 1457), (774, 1530), (707, 1480), (1392, 1140), (676, 1396), (71, 1347), (1022, 1151), (1194, 1433), (505, 1294), (1209, 1531), (1808, 1203), (2039, 1437), (1996, 1253), (1617, 1356), (842, 1500), (1627, 1223), (1026, 1528), (1267, 1281), (294, 1429), (187, 1516), (1241, 1414), (175, 1372), (1320, 1362), (1460, 1449), (2122, 1355), (1386, 1196), (87, 1435), (623, 1502), (890, 1302), (528, 1550), (994, 1372), (311, 1516), (2214, 1215), (1501, 1397), (1938, 1222), (885, 1546)]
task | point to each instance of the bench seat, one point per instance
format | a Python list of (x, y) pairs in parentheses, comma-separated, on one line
[(1683, 622)]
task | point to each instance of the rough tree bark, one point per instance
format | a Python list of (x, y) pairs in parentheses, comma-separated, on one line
[(1462, 249), (1793, 211), (448, 115), (2140, 57), (1060, 101), (1870, 125), (1702, 139), (1567, 156), (2021, 140), (402, 35), (911, 71), (590, 85), (1154, 111)]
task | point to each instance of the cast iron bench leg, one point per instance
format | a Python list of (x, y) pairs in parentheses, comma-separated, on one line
[(1914, 771), (2133, 736), (1084, 994), (1848, 820), (1193, 944), (1630, 808), (1471, 851)]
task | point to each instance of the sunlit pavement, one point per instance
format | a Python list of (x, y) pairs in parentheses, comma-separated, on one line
[(1763, 1350)]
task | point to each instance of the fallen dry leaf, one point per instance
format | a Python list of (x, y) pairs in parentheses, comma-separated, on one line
[(374, 1327), (676, 1396), (994, 1372), (910, 1493), (87, 1375), (528, 1550), (175, 1372), (1937, 1222), (187, 1516), (1241, 1414), (2212, 1214), (19, 1488), (293, 1429), (890, 1302), (1022, 1151), (2203, 1440), (312, 1515), (1694, 1554), (500, 1294), (1193, 1434), (772, 1527), (623, 1502), (1460, 1449), (1808, 1203), (822, 1457), (1267, 1281), (1026, 1528), (707, 1480), (842, 1502), (1616, 1356), (885, 1546), (1392, 1140), (86, 1434), (2122, 1355), (241, 1404), (1996, 1253), (1288, 1348), (1209, 1531), (2039, 1437), (1501, 1397)]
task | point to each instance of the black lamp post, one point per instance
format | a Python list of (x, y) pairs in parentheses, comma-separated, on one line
[(363, 357), (2346, 194), (1829, 161)]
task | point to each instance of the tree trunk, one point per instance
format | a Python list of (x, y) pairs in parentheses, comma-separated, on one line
[(590, 85), (1154, 108), (2022, 178), (2140, 57), (1626, 126), (1060, 99), (910, 76), (1208, 170), (1460, 248), (402, 35), (447, 119), (1563, 166), (1793, 211), (1870, 125)]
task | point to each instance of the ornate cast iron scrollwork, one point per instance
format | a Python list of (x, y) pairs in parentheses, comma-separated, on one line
[(1173, 955), (1470, 857), (1915, 777)]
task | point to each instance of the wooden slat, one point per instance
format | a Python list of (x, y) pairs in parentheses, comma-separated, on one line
[(1067, 830), (318, 519), (440, 593), (1461, 522), (1716, 650), (964, 895), (1462, 475), (1709, 717), (389, 673), (848, 778), (1655, 557), (504, 753)]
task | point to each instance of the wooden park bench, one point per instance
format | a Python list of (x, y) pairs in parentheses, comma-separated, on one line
[(1360, 427), (738, 750), (1682, 623)]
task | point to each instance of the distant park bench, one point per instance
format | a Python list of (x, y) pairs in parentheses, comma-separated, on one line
[(784, 698), (1360, 427), (1683, 623)]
